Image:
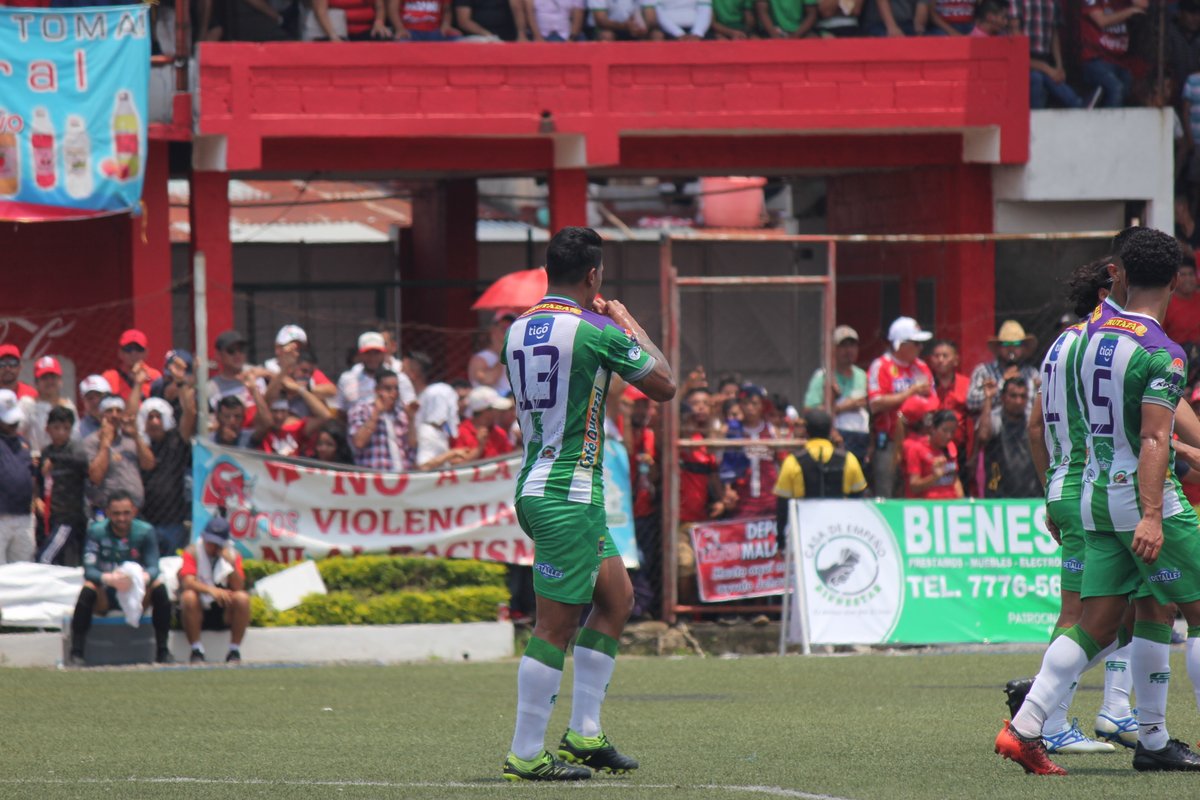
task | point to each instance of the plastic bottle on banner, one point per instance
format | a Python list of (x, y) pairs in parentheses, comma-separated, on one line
[(45, 172), (77, 157), (10, 162), (126, 139)]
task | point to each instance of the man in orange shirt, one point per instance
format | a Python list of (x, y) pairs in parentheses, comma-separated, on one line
[(133, 344)]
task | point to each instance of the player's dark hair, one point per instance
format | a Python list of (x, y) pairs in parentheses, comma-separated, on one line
[(231, 402), (1151, 258), (940, 418), (1085, 283), (1017, 382), (61, 414), (818, 423), (1118, 241), (119, 494), (573, 251)]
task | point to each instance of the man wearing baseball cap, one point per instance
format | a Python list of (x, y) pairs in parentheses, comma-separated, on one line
[(212, 591), (133, 369), (235, 379), (893, 378), (481, 434), (358, 382), (92, 390), (851, 418), (16, 485), (47, 374), (10, 368), (294, 357)]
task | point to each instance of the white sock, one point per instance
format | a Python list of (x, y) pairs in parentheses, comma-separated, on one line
[(1192, 649), (233, 647), (537, 690), (1062, 665), (1118, 681), (593, 671), (1151, 679), (199, 648), (1056, 721)]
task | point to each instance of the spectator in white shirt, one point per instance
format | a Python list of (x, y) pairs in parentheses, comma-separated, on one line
[(617, 20), (685, 20), (484, 368), (434, 416), (358, 382)]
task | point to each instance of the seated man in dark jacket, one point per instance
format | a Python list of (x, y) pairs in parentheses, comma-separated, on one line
[(110, 543)]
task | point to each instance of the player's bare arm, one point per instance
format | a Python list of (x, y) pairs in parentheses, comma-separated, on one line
[(1153, 458), (659, 384)]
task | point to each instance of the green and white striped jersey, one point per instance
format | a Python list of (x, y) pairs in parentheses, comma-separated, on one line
[(559, 359), (1127, 360), (1065, 428)]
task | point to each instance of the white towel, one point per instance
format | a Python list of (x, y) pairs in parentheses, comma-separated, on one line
[(131, 598), (212, 574)]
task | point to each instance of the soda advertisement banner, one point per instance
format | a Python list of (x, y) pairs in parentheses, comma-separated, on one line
[(73, 89), (285, 509), (920, 572), (738, 559)]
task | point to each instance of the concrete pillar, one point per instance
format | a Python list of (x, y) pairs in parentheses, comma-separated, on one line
[(443, 248), (209, 215), (568, 198), (150, 257)]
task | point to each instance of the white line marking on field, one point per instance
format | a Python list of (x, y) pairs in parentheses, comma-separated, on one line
[(770, 791)]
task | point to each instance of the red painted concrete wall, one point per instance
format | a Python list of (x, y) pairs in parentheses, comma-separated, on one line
[(931, 200), (251, 93)]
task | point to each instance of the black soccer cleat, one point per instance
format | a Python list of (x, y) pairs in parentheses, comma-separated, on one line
[(543, 767), (595, 752), (1015, 692), (1175, 757)]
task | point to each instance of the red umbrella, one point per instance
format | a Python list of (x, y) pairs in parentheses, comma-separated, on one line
[(518, 290)]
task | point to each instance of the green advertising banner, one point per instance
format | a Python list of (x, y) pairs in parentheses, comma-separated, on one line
[(923, 572)]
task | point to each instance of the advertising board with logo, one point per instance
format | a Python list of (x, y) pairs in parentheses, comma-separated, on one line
[(287, 509), (918, 572)]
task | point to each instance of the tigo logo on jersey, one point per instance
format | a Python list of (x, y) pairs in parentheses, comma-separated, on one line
[(548, 571), (1105, 353), (1136, 328), (537, 331), (1166, 576)]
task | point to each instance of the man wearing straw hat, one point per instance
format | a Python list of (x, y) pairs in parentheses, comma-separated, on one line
[(1013, 349)]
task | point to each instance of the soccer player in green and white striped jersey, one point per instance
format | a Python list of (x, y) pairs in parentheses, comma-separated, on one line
[(1138, 526), (560, 355), (1057, 436)]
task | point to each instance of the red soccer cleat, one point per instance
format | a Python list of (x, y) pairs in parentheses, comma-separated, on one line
[(1029, 753)]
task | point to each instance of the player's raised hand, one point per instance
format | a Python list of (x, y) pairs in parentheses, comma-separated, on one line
[(1147, 539)]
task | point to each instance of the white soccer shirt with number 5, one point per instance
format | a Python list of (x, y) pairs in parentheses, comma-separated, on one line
[(559, 359)]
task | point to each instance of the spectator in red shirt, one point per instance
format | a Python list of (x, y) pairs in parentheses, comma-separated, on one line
[(1104, 36), (930, 461), (480, 433), (752, 471), (422, 20), (1182, 323), (893, 378), (132, 351), (10, 368), (290, 435), (637, 413), (952, 17), (212, 591), (701, 494), (951, 388)]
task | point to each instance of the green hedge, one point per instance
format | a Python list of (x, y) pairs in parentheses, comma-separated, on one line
[(385, 574), (460, 604)]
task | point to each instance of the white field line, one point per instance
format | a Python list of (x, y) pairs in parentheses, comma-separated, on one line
[(769, 791)]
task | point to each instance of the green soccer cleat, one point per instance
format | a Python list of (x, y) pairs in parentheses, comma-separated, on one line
[(544, 767), (595, 752)]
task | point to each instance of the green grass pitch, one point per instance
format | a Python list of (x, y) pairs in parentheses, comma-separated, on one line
[(873, 727)]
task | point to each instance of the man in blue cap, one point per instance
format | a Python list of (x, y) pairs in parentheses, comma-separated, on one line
[(212, 591)]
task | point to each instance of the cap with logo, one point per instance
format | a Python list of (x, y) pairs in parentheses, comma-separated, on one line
[(94, 383), (134, 337), (47, 365), (183, 355), (111, 402), (906, 329), (228, 339), (10, 351), (10, 410), (485, 397), (291, 333), (371, 340)]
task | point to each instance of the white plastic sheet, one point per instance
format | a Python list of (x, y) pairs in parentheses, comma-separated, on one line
[(38, 595)]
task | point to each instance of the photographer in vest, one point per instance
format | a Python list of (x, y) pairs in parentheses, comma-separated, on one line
[(818, 471)]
